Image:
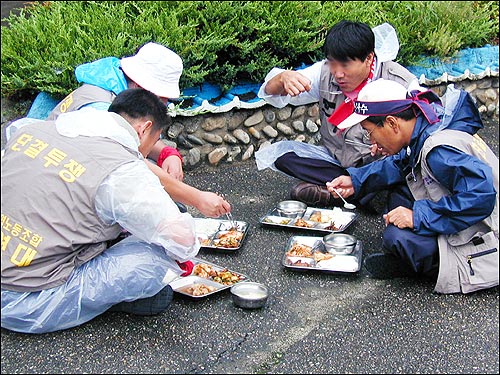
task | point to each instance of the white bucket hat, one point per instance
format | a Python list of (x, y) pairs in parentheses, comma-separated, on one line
[(155, 68), (380, 90)]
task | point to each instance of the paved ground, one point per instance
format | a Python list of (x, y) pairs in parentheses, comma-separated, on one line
[(313, 322)]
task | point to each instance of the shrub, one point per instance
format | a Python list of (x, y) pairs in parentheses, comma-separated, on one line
[(223, 42)]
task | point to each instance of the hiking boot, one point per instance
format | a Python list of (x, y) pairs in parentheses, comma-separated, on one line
[(387, 266), (314, 195), (147, 306)]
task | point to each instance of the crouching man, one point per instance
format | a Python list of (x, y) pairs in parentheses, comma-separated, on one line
[(442, 218), (69, 188)]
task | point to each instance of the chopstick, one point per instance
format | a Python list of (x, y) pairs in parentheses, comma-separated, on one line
[(229, 215), (231, 220), (356, 143)]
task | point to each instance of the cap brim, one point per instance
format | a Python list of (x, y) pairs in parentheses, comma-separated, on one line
[(352, 120)]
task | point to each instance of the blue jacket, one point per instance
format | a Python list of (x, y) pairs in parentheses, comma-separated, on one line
[(469, 180)]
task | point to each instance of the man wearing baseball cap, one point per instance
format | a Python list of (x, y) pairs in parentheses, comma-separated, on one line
[(442, 212)]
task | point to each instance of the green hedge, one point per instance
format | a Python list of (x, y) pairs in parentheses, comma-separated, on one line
[(223, 42)]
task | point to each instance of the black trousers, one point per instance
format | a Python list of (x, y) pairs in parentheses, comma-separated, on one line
[(421, 253)]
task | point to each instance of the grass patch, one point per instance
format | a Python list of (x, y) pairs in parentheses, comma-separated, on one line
[(221, 42)]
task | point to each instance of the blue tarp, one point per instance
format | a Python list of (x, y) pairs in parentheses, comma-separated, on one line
[(476, 60)]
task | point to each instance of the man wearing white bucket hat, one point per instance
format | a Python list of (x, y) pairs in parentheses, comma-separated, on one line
[(355, 54), (158, 69), (154, 67), (442, 210)]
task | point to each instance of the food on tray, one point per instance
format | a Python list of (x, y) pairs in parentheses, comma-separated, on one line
[(332, 227), (207, 226), (343, 263), (227, 277), (224, 276), (204, 241), (231, 238), (299, 250), (322, 216), (280, 221), (319, 256), (300, 263), (204, 270), (198, 289), (316, 216), (302, 223)]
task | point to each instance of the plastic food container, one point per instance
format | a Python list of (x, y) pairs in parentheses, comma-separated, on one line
[(339, 243), (249, 295), (291, 208)]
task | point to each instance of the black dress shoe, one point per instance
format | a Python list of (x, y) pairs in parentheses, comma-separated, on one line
[(386, 266), (314, 195), (182, 208)]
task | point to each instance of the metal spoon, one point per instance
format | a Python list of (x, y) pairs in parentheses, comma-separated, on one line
[(347, 205), (357, 143), (331, 92)]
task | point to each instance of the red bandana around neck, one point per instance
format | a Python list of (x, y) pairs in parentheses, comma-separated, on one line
[(347, 108)]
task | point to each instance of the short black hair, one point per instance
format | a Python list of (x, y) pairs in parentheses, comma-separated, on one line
[(349, 40), (406, 114), (140, 103)]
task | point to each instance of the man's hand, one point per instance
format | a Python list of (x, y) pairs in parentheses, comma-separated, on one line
[(294, 83), (211, 204), (401, 217), (343, 184), (375, 150), (288, 82), (173, 166)]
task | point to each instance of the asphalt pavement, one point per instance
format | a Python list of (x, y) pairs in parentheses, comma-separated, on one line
[(313, 322)]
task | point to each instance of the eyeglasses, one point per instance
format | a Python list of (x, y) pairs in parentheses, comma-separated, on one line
[(367, 135)]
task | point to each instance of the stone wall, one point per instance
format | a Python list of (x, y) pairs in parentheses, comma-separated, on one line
[(236, 135)]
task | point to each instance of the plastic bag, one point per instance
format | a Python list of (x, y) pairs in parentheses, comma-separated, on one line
[(129, 270), (265, 157), (386, 42)]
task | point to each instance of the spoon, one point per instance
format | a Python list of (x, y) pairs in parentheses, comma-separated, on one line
[(331, 92), (347, 205)]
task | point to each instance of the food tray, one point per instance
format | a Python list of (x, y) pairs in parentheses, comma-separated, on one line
[(180, 284), (337, 263), (324, 220), (209, 232)]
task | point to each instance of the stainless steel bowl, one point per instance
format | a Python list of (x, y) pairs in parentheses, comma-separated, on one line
[(339, 243), (291, 208), (249, 295)]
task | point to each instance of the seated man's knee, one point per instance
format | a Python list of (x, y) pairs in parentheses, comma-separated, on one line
[(283, 162)]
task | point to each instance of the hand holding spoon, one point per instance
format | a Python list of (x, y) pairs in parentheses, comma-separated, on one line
[(347, 205)]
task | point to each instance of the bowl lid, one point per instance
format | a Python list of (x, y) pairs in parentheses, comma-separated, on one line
[(339, 239), (249, 290), (291, 205)]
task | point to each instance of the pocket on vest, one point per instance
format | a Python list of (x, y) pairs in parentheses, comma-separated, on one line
[(478, 263)]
